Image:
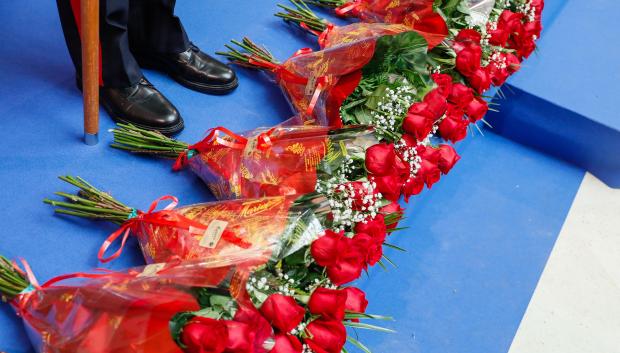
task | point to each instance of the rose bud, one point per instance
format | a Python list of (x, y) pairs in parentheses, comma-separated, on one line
[(498, 36), (419, 126), (532, 29), (204, 335), (371, 247), (413, 186), (329, 303), (447, 158), (248, 314), (476, 109), (375, 226), (326, 336), (389, 186), (282, 312), (513, 64), (444, 83), (511, 21), (286, 344), (468, 60), (498, 76), (356, 301), (436, 103), (380, 158), (461, 95), (240, 337), (480, 80), (327, 248), (526, 48), (453, 129)]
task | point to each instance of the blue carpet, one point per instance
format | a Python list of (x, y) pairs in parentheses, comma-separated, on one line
[(477, 242)]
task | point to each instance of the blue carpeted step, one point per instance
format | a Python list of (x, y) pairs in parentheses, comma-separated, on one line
[(563, 101)]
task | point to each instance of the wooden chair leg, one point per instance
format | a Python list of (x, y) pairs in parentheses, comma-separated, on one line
[(90, 69)]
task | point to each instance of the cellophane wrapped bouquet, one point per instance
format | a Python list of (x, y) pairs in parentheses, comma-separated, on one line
[(287, 263)]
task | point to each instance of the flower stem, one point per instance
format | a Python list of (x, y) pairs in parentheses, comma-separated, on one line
[(90, 202), (12, 280), (243, 53), (302, 14), (327, 3), (134, 139)]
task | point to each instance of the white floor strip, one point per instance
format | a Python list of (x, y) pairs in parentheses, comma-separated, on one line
[(576, 305)]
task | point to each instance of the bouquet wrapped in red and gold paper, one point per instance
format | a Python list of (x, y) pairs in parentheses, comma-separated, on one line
[(252, 230), (261, 162), (199, 306), (316, 83), (417, 15)]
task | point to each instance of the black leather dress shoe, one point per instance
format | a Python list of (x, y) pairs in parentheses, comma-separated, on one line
[(142, 105), (193, 69)]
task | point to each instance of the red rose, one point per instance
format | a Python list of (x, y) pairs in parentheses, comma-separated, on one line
[(326, 336), (329, 303), (248, 314), (510, 21), (416, 124), (413, 186), (526, 48), (498, 36), (498, 75), (468, 36), (282, 312), (344, 263), (371, 247), (429, 169), (513, 64), (447, 158), (532, 29), (375, 227), (461, 95), (468, 60), (480, 80), (326, 249), (392, 209), (286, 344), (453, 128), (436, 103), (538, 6), (204, 335), (476, 109), (240, 337), (348, 268), (380, 159), (356, 300), (389, 186), (444, 83)]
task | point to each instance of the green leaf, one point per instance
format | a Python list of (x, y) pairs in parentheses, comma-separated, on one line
[(358, 344), (367, 327)]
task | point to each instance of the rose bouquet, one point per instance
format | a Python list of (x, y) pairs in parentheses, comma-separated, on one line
[(418, 15), (291, 268), (262, 162), (192, 306), (255, 230), (163, 308)]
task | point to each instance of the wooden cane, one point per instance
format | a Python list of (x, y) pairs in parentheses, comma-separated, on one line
[(90, 69)]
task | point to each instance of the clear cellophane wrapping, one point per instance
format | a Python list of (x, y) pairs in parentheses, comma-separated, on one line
[(289, 163), (130, 311), (252, 230)]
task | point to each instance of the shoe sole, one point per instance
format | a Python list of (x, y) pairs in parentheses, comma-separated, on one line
[(168, 131), (200, 87)]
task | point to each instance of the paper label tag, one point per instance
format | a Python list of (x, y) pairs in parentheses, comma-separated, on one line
[(151, 270), (310, 86), (250, 147), (212, 235)]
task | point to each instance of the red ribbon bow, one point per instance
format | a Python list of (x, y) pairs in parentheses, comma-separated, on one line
[(165, 217), (343, 10)]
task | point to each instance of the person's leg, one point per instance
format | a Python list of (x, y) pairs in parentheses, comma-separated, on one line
[(155, 29), (125, 94), (158, 41), (119, 68)]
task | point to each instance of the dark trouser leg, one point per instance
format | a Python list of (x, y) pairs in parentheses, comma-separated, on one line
[(153, 28), (119, 68)]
